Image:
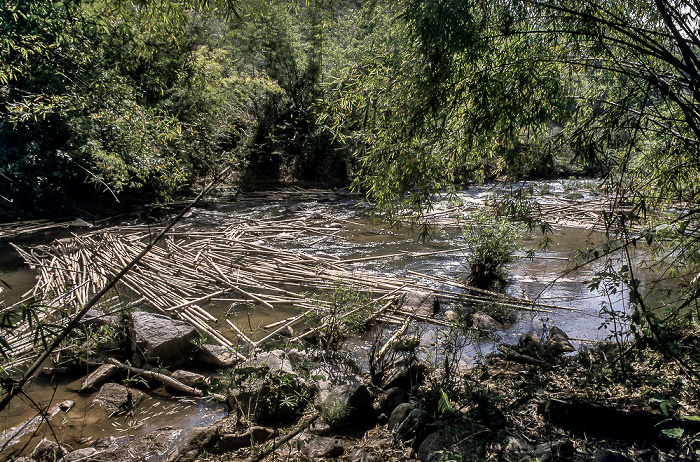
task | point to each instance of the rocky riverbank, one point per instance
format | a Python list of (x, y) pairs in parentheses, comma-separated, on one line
[(528, 402)]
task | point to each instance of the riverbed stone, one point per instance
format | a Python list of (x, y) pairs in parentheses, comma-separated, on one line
[(413, 427), (529, 338), (158, 339), (322, 448), (193, 443), (483, 321), (47, 451), (275, 361), (558, 341), (217, 356), (191, 379), (114, 397), (341, 392), (432, 446), (391, 398), (399, 414), (407, 374), (99, 376), (420, 303), (80, 455)]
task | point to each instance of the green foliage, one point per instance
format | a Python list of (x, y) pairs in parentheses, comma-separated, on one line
[(340, 313), (491, 243)]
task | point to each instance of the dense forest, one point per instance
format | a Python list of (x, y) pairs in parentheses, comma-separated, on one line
[(106, 105)]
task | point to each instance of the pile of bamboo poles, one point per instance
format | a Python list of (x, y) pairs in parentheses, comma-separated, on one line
[(240, 265)]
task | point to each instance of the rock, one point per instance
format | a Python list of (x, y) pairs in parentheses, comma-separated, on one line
[(47, 451), (483, 321), (321, 447), (399, 415), (193, 443), (152, 444), (413, 426), (80, 455), (79, 223), (114, 397), (97, 318), (216, 355), (66, 405), (335, 225), (339, 359), (607, 455), (269, 397), (391, 398), (451, 316), (359, 455), (273, 360), (420, 303), (554, 451), (431, 448), (558, 341), (344, 396), (252, 436), (99, 376), (407, 374), (158, 339), (529, 338), (191, 379), (515, 450)]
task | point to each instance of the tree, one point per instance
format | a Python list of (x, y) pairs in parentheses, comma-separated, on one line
[(95, 92), (466, 89)]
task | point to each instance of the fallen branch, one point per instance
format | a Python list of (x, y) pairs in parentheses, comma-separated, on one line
[(164, 379)]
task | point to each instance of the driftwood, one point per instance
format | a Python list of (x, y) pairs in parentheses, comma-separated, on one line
[(164, 379)]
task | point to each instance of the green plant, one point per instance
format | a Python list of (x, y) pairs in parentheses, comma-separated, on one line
[(338, 314), (491, 244), (334, 412)]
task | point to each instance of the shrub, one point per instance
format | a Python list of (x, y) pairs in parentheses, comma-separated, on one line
[(491, 244)]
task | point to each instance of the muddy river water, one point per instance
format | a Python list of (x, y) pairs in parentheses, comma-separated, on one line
[(543, 277)]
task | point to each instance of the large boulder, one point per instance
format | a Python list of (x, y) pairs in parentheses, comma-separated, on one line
[(115, 398), (484, 322), (420, 303), (399, 414), (558, 341), (322, 448), (413, 427), (190, 446), (343, 398), (158, 339), (275, 361), (216, 355), (407, 374)]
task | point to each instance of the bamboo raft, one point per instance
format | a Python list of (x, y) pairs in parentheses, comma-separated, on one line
[(241, 266)]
